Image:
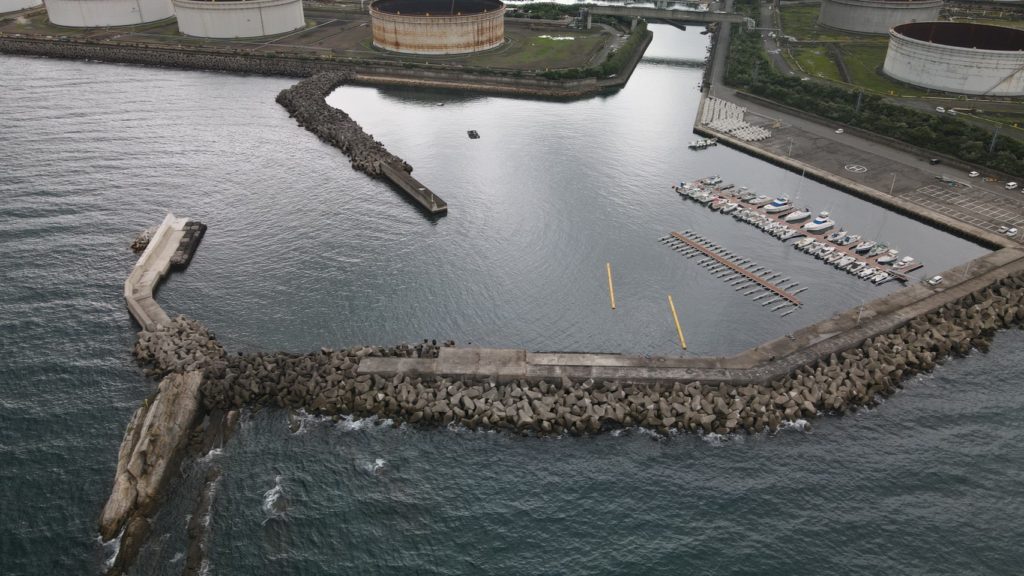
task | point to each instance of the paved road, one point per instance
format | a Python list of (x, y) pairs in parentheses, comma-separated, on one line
[(910, 176)]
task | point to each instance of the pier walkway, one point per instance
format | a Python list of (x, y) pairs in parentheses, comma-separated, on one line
[(764, 283), (150, 270)]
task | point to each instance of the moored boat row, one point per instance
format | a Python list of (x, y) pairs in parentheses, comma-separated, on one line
[(867, 259)]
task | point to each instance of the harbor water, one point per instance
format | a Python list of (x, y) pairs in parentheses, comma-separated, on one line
[(303, 252)]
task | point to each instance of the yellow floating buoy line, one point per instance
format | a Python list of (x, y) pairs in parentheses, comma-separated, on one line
[(611, 287), (679, 329)]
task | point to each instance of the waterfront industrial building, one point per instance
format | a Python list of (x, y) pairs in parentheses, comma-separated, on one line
[(876, 16), (437, 26)]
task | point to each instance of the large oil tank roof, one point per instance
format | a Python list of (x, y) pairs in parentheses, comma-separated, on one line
[(965, 35), (436, 7)]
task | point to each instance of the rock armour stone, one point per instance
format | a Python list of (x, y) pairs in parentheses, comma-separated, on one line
[(327, 383)]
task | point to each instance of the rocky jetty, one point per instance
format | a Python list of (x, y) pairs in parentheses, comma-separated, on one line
[(142, 240), (194, 232), (328, 383), (153, 444), (305, 102)]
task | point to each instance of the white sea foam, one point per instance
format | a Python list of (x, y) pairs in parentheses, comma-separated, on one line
[(374, 467), (111, 549), (799, 425), (211, 454), (274, 500)]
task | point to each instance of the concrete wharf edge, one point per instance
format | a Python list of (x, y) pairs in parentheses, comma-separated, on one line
[(150, 269), (763, 363)]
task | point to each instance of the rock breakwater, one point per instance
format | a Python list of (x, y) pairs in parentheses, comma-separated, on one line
[(328, 383), (305, 102)]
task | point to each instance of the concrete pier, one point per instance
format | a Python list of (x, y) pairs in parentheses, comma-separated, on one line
[(150, 269), (420, 193)]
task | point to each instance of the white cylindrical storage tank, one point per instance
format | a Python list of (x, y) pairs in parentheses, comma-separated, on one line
[(95, 13), (15, 5), (958, 57), (876, 16), (238, 18)]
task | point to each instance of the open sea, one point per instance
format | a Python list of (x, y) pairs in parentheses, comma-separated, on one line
[(303, 252)]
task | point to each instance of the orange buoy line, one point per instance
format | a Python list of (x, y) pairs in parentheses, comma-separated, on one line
[(732, 266), (679, 329)]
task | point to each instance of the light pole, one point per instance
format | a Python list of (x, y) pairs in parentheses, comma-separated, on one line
[(893, 185)]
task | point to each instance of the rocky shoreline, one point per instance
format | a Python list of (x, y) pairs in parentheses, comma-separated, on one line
[(305, 102), (327, 382)]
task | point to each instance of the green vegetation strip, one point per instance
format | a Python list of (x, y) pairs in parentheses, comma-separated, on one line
[(747, 67)]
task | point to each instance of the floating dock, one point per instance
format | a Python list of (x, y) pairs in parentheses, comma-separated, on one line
[(707, 194), (741, 273)]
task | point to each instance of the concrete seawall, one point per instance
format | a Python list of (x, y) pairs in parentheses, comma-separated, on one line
[(151, 268)]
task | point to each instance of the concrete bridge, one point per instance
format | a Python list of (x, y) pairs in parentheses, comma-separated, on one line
[(686, 16)]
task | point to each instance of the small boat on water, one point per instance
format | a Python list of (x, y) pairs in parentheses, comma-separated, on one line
[(473, 134), (778, 205), (879, 248), (825, 251), (760, 200), (729, 207), (881, 278), (864, 246), (903, 263), (844, 262), (703, 143), (835, 257), (719, 203), (799, 216), (805, 241), (821, 223), (747, 196), (836, 236), (868, 272), (726, 187), (850, 239), (788, 234), (889, 257), (856, 267), (711, 180)]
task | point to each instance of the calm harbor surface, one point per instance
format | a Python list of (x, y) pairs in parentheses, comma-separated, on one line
[(303, 252)]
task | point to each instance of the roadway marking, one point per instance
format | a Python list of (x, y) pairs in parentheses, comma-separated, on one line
[(856, 168)]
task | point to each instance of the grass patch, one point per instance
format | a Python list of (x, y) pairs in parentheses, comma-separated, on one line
[(864, 63), (815, 61), (531, 52), (801, 22)]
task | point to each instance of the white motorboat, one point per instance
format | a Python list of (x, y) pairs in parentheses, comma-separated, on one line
[(849, 240), (868, 272), (845, 261), (805, 241), (813, 248), (864, 246), (719, 203), (798, 216), (834, 257), (856, 267), (903, 263), (880, 278), (745, 196), (729, 207), (889, 257), (825, 251), (711, 180), (778, 205), (788, 234), (879, 248), (836, 236), (759, 200), (821, 223)]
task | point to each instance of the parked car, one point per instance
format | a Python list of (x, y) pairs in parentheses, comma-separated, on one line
[(973, 174), (940, 109), (935, 280), (839, 130), (934, 161), (1011, 232), (1011, 185)]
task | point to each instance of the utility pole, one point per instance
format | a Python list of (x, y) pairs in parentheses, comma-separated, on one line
[(992, 145)]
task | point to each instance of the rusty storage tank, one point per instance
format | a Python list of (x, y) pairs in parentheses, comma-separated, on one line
[(437, 26), (958, 57)]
